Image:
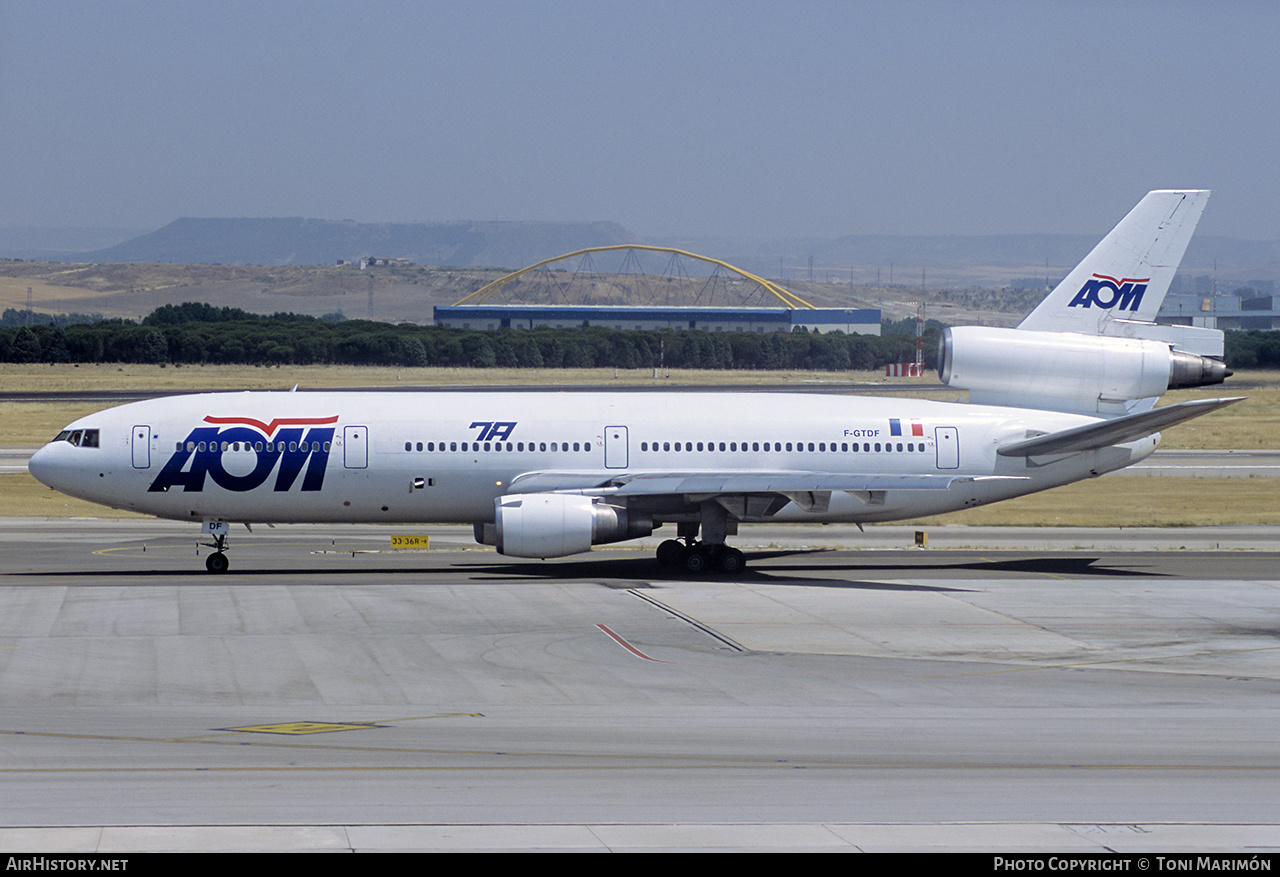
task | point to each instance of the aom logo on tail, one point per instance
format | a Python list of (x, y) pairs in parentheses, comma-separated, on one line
[(216, 452), (1107, 292)]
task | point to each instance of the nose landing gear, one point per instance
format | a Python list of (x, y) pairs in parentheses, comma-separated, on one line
[(218, 530)]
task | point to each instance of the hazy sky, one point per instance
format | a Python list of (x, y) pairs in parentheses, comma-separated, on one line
[(696, 117)]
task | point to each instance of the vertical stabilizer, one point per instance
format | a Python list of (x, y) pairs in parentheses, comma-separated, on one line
[(1128, 274)]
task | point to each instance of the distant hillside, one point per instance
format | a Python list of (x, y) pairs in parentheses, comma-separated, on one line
[(322, 242), (982, 260), (955, 261)]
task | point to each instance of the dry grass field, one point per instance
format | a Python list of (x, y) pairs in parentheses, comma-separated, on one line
[(102, 376), (1121, 501), (1109, 501), (13, 292)]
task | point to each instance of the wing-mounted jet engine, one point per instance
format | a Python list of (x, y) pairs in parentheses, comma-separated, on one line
[(557, 524)]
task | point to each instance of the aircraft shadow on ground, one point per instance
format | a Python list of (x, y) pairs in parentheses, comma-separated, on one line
[(1065, 565), (767, 567), (811, 574)]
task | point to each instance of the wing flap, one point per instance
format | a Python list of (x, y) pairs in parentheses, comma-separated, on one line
[(614, 483), (780, 482)]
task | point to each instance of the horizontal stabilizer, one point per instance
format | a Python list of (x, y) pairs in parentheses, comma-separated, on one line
[(1113, 432), (1186, 339)]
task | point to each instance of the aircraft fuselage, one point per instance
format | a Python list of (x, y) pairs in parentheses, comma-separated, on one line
[(426, 457)]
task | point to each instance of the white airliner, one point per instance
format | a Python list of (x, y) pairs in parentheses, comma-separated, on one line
[(1067, 395)]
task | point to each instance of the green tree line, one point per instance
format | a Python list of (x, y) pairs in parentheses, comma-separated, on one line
[(196, 334)]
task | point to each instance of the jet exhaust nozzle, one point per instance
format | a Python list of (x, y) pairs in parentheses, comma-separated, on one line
[(1190, 370)]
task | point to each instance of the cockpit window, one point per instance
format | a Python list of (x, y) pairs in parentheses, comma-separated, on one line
[(81, 438)]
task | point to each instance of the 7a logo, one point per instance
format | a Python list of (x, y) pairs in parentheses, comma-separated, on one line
[(493, 430)]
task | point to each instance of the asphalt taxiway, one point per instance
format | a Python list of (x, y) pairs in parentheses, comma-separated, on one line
[(331, 693)]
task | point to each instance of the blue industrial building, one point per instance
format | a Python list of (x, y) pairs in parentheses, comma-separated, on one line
[(1234, 311), (861, 321)]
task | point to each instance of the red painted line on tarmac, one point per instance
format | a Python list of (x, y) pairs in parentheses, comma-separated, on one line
[(630, 648)]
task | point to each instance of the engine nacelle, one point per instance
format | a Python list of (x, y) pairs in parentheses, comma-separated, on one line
[(1063, 371), (555, 524)]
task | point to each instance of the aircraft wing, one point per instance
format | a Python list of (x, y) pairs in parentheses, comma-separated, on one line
[(692, 483), (1113, 432)]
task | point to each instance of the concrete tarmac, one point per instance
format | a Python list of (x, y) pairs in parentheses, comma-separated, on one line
[(330, 693)]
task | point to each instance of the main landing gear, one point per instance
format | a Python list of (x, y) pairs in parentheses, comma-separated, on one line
[(711, 553), (699, 557)]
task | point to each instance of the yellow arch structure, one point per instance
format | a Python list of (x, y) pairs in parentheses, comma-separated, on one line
[(790, 299)]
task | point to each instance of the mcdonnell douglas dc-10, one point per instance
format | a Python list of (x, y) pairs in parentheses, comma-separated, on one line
[(1069, 394)]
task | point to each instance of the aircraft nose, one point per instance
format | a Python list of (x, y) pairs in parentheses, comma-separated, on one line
[(44, 467)]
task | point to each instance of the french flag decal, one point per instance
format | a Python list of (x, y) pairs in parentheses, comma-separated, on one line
[(895, 427)]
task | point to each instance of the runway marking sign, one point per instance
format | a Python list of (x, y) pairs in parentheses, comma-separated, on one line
[(410, 541)]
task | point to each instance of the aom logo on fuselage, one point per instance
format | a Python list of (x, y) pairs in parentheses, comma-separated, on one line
[(211, 450), (1107, 292)]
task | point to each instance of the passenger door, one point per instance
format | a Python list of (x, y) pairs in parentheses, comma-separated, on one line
[(355, 447), (615, 447), (141, 444), (947, 440)]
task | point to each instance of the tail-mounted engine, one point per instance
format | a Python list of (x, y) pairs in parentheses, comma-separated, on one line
[(1063, 371), (555, 525)]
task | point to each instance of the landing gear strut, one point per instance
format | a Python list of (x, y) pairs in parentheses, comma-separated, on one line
[(711, 553), (218, 530)]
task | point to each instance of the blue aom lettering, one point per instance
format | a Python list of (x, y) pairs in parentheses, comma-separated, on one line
[(201, 455), (1107, 292)]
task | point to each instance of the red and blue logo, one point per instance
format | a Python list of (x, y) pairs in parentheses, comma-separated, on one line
[(895, 427), (1108, 292), (241, 453)]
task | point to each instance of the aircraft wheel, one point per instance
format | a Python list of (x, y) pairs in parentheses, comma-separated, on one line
[(671, 553), (732, 561), (697, 560), (216, 562)]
